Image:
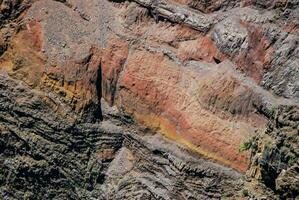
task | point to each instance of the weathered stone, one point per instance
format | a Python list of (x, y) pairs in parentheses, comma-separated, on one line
[(275, 153), (206, 74)]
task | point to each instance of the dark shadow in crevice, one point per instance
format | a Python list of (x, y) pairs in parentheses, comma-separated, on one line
[(118, 1), (98, 112), (153, 13), (217, 61)]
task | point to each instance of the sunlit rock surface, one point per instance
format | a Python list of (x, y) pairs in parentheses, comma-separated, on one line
[(148, 99)]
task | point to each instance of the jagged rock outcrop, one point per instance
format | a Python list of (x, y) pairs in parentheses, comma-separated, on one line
[(166, 75), (206, 74), (275, 153), (170, 73), (11, 9), (44, 156)]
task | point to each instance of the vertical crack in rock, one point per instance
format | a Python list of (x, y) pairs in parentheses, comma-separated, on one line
[(99, 86)]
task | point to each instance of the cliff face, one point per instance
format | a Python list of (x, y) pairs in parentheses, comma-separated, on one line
[(47, 156), (275, 153), (180, 72), (198, 76)]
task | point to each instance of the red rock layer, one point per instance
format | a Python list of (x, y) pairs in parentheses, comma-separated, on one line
[(75, 81), (186, 105), (171, 78)]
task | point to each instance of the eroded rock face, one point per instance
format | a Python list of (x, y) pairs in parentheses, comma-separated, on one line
[(10, 9), (175, 83), (275, 153), (204, 74), (44, 156)]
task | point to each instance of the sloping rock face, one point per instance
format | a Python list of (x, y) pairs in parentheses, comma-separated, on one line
[(184, 76), (275, 153), (208, 75), (45, 156)]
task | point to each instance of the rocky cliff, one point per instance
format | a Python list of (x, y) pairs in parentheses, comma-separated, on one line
[(149, 99), (275, 153)]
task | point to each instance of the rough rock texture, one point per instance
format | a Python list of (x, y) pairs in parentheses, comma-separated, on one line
[(44, 156), (275, 153), (208, 75), (183, 84), (10, 9)]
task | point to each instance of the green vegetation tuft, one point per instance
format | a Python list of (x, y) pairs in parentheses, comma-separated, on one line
[(273, 110), (245, 145), (245, 193)]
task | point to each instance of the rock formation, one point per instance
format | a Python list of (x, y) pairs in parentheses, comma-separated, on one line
[(149, 99), (275, 153)]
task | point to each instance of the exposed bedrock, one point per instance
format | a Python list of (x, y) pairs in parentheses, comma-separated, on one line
[(46, 156), (172, 78), (275, 153), (208, 75)]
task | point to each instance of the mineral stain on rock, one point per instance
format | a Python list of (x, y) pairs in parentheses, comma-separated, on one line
[(149, 99)]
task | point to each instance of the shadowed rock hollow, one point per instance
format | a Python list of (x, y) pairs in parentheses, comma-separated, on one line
[(149, 99)]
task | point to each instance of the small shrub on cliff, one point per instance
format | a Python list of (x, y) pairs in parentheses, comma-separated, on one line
[(246, 145), (273, 110), (245, 193), (193, 3)]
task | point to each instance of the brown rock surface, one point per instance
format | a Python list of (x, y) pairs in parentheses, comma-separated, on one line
[(164, 75), (274, 159), (205, 74)]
